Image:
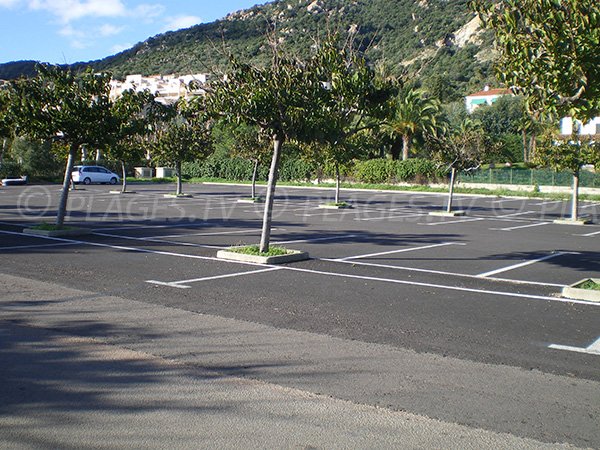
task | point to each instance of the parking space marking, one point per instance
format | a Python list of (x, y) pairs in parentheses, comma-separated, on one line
[(183, 284), (329, 238), (403, 250), (524, 263), (592, 349), (590, 206), (218, 233), (507, 200), (588, 234), (521, 226), (149, 227), (391, 217), (159, 241), (451, 222), (317, 272), (522, 213), (446, 287), (19, 247), (440, 272), (546, 203)]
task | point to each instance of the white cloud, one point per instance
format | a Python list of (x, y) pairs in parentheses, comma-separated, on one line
[(179, 22), (107, 30), (148, 11), (8, 3), (70, 10)]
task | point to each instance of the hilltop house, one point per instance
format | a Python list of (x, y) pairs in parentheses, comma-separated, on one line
[(485, 97)]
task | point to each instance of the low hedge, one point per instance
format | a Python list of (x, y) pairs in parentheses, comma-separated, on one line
[(296, 169), (390, 171)]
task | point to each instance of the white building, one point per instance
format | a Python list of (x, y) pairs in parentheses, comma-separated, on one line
[(589, 129), (167, 88), (486, 97)]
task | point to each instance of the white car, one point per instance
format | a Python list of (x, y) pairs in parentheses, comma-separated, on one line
[(93, 174)]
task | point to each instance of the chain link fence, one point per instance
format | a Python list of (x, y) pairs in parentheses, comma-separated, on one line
[(530, 177)]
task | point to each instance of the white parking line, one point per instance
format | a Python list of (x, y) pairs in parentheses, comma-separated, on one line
[(403, 250), (329, 238), (441, 286), (525, 263), (404, 216), (19, 247), (183, 283), (546, 203), (149, 227), (522, 213), (219, 233), (521, 226), (439, 272), (590, 206), (453, 222), (593, 349), (159, 241), (588, 234), (507, 200)]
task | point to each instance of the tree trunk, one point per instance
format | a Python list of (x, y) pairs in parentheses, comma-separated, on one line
[(575, 199), (532, 146), (3, 150), (268, 214), (451, 190), (178, 173), (337, 183), (405, 146), (64, 195), (395, 150), (524, 140), (124, 175), (254, 173)]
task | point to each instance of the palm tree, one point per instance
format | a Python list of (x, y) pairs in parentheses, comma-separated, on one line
[(413, 113)]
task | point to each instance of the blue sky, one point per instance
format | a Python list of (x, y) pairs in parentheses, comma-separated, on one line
[(68, 31)]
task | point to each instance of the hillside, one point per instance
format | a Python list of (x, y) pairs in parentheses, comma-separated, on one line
[(438, 41)]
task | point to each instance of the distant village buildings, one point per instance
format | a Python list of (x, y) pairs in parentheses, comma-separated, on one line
[(167, 88)]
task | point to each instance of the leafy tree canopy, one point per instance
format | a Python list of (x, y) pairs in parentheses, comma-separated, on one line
[(548, 52)]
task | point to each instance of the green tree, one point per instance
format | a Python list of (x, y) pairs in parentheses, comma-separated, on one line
[(250, 144), (7, 125), (413, 113), (182, 134), (284, 99), (37, 158), (355, 101), (64, 106), (548, 51), (568, 153), (464, 148), (131, 115)]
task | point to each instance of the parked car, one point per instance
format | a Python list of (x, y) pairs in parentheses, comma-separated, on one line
[(14, 181), (93, 174)]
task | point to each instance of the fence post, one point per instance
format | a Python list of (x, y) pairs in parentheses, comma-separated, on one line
[(511, 176), (531, 176), (490, 180)]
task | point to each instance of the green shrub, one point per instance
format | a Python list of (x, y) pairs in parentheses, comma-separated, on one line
[(374, 171), (11, 169), (388, 171)]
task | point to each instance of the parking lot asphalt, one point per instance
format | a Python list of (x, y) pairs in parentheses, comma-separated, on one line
[(481, 289)]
